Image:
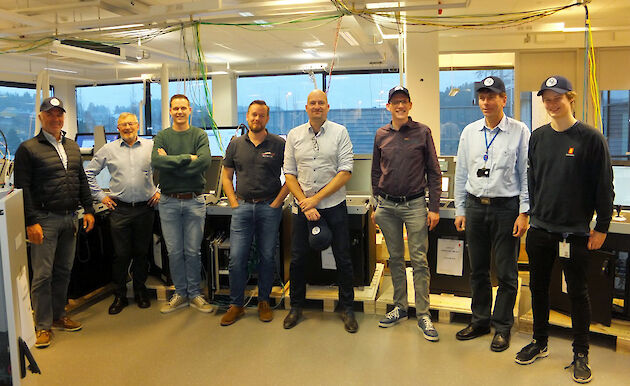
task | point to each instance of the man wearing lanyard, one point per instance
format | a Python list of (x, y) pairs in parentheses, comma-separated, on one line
[(404, 164), (256, 208), (570, 177), (317, 164), (48, 169), (131, 199), (181, 154), (491, 205)]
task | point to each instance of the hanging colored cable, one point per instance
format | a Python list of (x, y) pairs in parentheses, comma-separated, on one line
[(592, 74), (332, 63)]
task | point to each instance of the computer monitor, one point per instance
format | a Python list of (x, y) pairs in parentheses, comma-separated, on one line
[(360, 182), (146, 136), (111, 137), (213, 176), (85, 140), (102, 179), (621, 185), (226, 134)]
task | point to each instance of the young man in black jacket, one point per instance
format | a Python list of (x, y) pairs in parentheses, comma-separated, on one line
[(49, 171), (570, 177)]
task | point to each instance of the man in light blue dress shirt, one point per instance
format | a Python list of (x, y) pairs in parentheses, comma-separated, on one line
[(131, 199), (317, 164), (492, 205)]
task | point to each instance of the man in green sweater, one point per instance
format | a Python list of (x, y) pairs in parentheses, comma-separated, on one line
[(181, 155)]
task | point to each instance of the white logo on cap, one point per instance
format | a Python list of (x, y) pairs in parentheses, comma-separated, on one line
[(398, 88), (488, 82), (551, 82), (315, 230), (55, 102)]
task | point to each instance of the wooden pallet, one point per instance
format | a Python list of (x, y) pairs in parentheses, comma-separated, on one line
[(445, 304), (329, 295), (277, 292), (620, 329)]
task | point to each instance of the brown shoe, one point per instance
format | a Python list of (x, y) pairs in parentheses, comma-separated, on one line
[(43, 338), (232, 314), (265, 313), (66, 324)]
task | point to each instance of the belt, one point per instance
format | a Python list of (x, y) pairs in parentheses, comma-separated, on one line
[(401, 198), (491, 200), (183, 196), (132, 204), (256, 200)]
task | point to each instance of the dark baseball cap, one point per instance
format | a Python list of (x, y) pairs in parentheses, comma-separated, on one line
[(319, 234), (492, 84), (556, 83), (396, 89), (51, 103)]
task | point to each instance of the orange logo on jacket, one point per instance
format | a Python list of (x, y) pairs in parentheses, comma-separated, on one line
[(570, 152)]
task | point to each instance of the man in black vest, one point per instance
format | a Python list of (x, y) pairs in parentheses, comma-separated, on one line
[(49, 171)]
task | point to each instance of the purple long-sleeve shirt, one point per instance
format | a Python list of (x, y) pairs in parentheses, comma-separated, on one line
[(405, 162)]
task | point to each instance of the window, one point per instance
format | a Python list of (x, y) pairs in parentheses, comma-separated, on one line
[(357, 101), (458, 105), (284, 94), (615, 117), (17, 113), (101, 105), (193, 89)]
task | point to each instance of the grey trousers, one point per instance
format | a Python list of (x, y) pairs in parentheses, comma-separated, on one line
[(52, 264), (390, 217)]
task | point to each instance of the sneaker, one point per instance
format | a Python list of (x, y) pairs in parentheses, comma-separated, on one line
[(265, 313), (44, 337), (581, 370), (531, 352), (232, 315), (66, 324), (393, 317), (177, 301), (201, 304), (429, 332)]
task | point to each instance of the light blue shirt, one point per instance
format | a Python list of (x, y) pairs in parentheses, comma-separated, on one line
[(315, 159), (58, 145), (130, 170), (507, 161)]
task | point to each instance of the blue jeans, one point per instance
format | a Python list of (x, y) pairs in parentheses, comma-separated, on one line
[(390, 217), (182, 227), (52, 264), (249, 220), (489, 237)]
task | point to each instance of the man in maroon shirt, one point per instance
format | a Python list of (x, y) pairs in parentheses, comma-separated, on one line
[(404, 165)]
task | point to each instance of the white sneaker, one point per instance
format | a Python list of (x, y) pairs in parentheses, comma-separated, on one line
[(177, 301), (200, 303)]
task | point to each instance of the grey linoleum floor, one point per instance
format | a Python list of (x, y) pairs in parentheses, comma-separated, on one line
[(144, 347)]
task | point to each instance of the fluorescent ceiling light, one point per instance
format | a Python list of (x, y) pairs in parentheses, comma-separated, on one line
[(263, 23), (314, 43), (380, 30), (391, 4), (60, 70), (347, 36), (311, 51), (246, 14)]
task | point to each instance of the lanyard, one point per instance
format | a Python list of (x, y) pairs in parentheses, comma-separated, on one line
[(485, 135)]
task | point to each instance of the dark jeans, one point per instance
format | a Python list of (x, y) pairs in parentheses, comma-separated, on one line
[(542, 249), (337, 219), (52, 263), (488, 229), (131, 229), (257, 221)]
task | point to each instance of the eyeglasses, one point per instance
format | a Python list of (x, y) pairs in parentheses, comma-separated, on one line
[(401, 102), (130, 124)]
